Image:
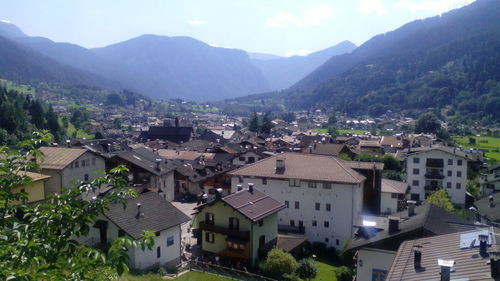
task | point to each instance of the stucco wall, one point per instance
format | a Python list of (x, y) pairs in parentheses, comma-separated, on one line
[(373, 262), (388, 204), (35, 190)]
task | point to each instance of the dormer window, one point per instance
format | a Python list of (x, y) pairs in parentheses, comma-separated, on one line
[(209, 218)]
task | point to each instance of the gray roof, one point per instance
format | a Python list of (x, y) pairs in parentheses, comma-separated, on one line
[(492, 212), (432, 219), (156, 214), (253, 205), (469, 265), (146, 159), (447, 149)]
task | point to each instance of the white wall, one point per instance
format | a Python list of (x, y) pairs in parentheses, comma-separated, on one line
[(345, 200), (387, 203), (370, 259), (457, 195)]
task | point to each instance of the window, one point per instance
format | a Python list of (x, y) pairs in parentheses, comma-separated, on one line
[(251, 159), (240, 179), (77, 164), (314, 223), (234, 223), (71, 165), (264, 180), (416, 160), (83, 163), (450, 162), (261, 222), (86, 177), (121, 233), (414, 183), (394, 195), (448, 185), (416, 171), (158, 252), (317, 206), (337, 242), (415, 197), (209, 237), (170, 241), (242, 159), (93, 161), (458, 186), (328, 207), (287, 204), (87, 162), (327, 224), (450, 173), (209, 218), (157, 233), (262, 241), (311, 184), (294, 182), (459, 174), (297, 205), (301, 224), (327, 185), (292, 223), (459, 162), (327, 240)]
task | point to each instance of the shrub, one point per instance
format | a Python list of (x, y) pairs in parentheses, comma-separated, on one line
[(279, 262), (307, 269)]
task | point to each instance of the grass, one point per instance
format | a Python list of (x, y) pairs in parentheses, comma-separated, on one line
[(189, 276), (490, 145), (21, 88), (79, 133), (326, 271)]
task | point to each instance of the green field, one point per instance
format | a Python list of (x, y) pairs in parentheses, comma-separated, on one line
[(341, 131), (490, 145), (326, 272), (23, 89)]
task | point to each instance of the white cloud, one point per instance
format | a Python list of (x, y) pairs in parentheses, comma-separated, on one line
[(299, 52), (368, 7), (196, 22), (435, 6), (5, 21), (312, 16)]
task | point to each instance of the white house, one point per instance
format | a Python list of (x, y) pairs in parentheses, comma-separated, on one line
[(65, 166), (431, 168), (149, 211), (323, 194), (393, 192)]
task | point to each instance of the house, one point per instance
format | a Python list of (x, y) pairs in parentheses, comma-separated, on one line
[(488, 208), (431, 168), (332, 149), (35, 189), (175, 134), (65, 166), (490, 182), (391, 144), (149, 211), (377, 242), (469, 255), (323, 194), (393, 194), (148, 170), (236, 226)]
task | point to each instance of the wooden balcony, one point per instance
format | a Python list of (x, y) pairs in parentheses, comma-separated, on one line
[(238, 234)]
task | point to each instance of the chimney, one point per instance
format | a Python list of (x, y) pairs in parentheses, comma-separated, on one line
[(411, 207), (158, 162), (250, 187), (280, 165), (417, 252), (393, 224), (495, 264), (492, 203), (218, 193), (483, 244), (68, 143), (446, 266), (138, 210), (239, 187)]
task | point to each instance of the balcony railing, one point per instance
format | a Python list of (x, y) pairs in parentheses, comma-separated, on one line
[(431, 187), (437, 163), (434, 175), (241, 235), (291, 229)]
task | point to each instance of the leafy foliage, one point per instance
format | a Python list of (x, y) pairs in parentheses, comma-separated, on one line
[(427, 123), (306, 269), (279, 262), (344, 273), (442, 199), (40, 241)]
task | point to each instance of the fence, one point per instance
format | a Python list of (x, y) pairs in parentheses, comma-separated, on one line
[(225, 271)]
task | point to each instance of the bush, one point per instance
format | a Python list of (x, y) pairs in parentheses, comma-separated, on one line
[(344, 273), (279, 262), (307, 269)]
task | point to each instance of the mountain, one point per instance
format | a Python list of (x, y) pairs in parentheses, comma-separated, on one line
[(284, 72), (262, 56), (185, 67), (449, 61), (23, 64)]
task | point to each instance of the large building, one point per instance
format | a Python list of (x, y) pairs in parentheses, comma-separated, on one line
[(431, 168), (323, 195)]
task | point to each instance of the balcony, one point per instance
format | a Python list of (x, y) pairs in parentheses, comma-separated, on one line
[(434, 175), (243, 254), (238, 234), (431, 187), (291, 229), (435, 163)]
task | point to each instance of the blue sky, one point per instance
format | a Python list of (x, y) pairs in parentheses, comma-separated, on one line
[(281, 27)]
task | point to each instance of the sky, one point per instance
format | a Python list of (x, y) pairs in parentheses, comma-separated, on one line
[(280, 27)]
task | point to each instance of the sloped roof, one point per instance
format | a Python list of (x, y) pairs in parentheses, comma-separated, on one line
[(146, 159), (303, 166), (469, 265), (253, 205), (490, 212), (157, 214), (392, 186), (58, 158), (332, 149), (34, 176), (392, 141)]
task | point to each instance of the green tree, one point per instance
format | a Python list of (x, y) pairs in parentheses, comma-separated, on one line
[(367, 157), (117, 123), (473, 187), (391, 163), (442, 199), (279, 262), (253, 125), (332, 120), (344, 156), (266, 124), (40, 241), (333, 131), (427, 123), (344, 273), (306, 269)]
